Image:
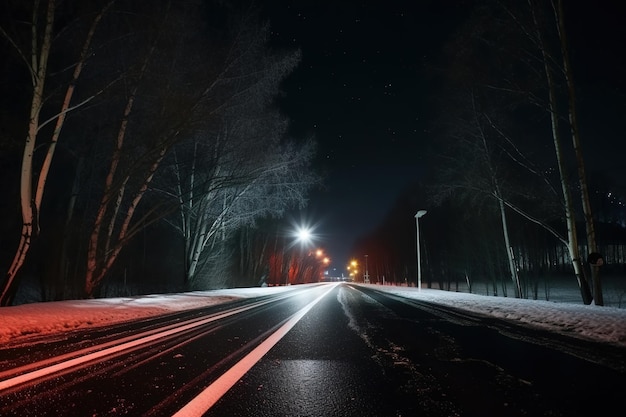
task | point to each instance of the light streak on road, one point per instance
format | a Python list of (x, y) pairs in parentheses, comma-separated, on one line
[(207, 398), (59, 364)]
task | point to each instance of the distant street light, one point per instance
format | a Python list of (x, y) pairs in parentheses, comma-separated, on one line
[(419, 265), (352, 269)]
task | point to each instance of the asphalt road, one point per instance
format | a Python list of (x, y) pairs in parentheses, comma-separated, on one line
[(326, 350)]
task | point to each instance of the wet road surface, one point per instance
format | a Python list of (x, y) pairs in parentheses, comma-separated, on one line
[(326, 350)]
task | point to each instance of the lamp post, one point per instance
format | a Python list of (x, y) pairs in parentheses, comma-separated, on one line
[(419, 214)]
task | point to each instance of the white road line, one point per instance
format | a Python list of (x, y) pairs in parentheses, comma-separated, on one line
[(207, 398), (76, 361)]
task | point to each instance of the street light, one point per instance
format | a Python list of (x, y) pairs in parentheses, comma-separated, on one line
[(367, 275), (352, 269), (303, 235), (419, 265)]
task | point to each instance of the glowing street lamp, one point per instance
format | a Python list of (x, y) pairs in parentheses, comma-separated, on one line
[(303, 235), (419, 265), (352, 269)]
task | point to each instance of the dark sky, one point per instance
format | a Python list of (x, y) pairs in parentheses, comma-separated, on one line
[(365, 90)]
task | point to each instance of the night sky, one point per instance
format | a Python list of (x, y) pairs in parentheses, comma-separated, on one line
[(366, 87)]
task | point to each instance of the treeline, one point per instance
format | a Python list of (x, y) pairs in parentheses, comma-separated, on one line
[(461, 248), (139, 140), (511, 198)]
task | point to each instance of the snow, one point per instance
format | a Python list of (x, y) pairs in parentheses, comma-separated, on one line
[(25, 322)]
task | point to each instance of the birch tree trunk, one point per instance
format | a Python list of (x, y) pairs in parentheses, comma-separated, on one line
[(38, 70), (580, 163), (31, 202), (495, 184), (573, 248), (507, 242)]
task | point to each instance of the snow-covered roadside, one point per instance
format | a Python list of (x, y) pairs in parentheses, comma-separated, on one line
[(603, 324), (38, 319)]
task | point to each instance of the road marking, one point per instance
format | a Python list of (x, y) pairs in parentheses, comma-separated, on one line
[(87, 357), (211, 394)]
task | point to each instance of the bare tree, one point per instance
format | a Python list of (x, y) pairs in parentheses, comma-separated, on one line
[(479, 169), (523, 75), (494, 178), (241, 186), (572, 241), (36, 56), (576, 142), (178, 104)]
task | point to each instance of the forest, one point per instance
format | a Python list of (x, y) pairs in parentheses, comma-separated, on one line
[(143, 150), (512, 203), (142, 147)]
